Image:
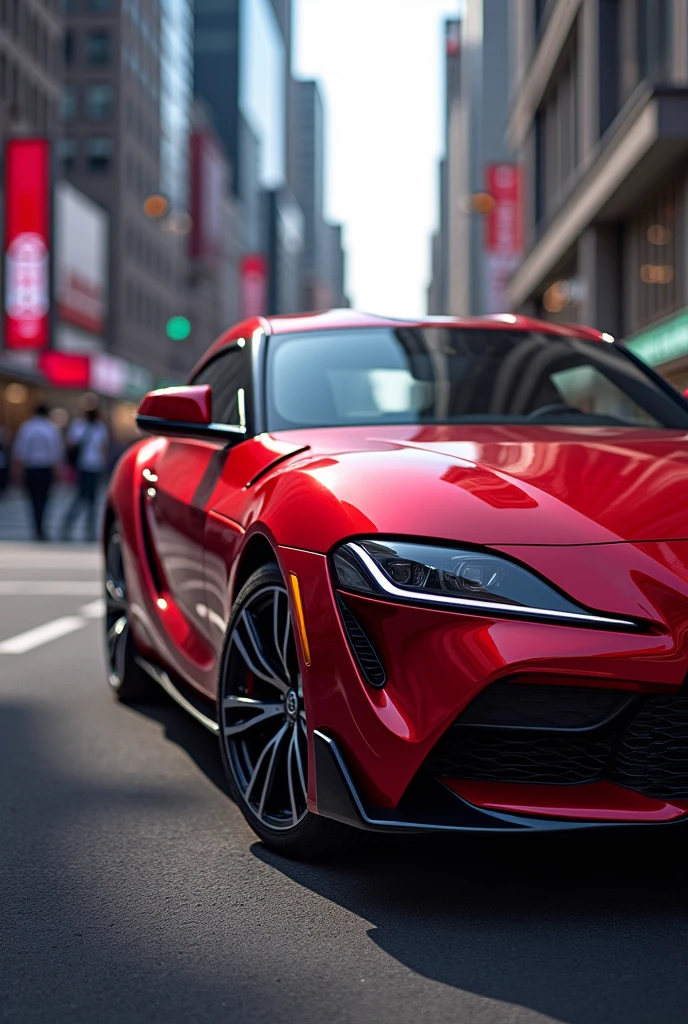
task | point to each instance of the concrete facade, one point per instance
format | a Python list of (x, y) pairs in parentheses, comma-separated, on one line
[(599, 117)]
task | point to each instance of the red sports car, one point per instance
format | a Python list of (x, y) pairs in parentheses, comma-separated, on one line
[(414, 575)]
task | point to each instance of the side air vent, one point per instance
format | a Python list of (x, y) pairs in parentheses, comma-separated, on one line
[(369, 663)]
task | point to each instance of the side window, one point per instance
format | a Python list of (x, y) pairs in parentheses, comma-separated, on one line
[(228, 375)]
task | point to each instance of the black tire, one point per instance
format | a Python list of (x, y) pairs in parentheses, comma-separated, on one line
[(128, 681), (293, 830)]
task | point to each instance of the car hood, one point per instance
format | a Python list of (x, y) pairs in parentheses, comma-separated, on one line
[(504, 485)]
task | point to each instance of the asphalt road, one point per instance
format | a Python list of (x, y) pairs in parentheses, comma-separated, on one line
[(132, 891)]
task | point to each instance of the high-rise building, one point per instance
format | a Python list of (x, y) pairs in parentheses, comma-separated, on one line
[(126, 141), (30, 66), (479, 239), (599, 117), (307, 173), (241, 73), (214, 242), (337, 267), (176, 98), (438, 290)]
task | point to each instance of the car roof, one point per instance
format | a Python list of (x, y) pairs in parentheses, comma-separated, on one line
[(340, 319)]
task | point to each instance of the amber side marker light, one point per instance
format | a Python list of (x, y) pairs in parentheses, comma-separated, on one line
[(300, 620)]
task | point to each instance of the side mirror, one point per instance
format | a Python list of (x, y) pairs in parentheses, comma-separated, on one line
[(184, 412)]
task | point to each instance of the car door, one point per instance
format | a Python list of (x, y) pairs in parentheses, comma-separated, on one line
[(186, 472)]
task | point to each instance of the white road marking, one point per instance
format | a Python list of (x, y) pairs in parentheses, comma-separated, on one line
[(32, 638), (94, 610), (12, 556), (40, 635), (49, 588)]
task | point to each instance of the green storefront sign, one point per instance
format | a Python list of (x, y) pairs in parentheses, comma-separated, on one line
[(664, 342)]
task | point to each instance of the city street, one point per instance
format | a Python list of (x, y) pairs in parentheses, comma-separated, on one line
[(131, 889)]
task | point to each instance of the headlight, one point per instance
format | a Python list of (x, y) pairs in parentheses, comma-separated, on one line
[(471, 581)]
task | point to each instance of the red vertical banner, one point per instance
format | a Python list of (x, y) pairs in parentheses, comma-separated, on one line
[(503, 231), (254, 286), (27, 243)]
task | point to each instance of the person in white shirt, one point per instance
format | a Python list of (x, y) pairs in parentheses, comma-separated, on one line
[(88, 444), (39, 451), (4, 461)]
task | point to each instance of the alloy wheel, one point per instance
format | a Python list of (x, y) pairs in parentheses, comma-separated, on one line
[(263, 719), (116, 621)]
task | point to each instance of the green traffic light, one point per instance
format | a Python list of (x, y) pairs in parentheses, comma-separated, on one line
[(178, 328)]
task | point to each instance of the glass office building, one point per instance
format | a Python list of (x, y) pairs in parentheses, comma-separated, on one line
[(176, 98), (241, 73)]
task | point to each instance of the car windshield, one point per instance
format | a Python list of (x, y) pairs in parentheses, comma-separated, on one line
[(447, 375)]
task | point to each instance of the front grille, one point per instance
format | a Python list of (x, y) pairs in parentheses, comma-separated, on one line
[(652, 756), (500, 757), (643, 745), (540, 706)]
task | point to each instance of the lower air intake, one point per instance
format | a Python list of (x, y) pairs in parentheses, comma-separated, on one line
[(639, 742)]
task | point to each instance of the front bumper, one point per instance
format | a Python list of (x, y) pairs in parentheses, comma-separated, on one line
[(434, 805), (382, 740)]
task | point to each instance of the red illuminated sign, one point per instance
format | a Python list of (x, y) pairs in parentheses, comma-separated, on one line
[(27, 243), (81, 302), (64, 370), (254, 286), (503, 233)]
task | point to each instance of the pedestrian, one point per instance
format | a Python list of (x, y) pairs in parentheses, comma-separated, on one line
[(4, 460), (87, 450), (38, 451)]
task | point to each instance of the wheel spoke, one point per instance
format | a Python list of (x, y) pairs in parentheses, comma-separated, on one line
[(259, 764), (254, 657), (299, 764), (114, 633), (290, 779), (261, 710), (114, 594), (270, 774), (281, 633), (264, 730)]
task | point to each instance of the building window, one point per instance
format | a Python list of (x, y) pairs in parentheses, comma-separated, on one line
[(99, 151), (98, 46), (653, 274), (98, 102), (69, 47), (609, 70), (542, 10), (70, 101), (556, 129), (66, 154), (654, 40)]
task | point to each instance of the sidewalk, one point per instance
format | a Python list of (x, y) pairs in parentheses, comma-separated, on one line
[(16, 521)]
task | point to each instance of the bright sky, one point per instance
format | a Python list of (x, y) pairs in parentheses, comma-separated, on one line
[(381, 68)]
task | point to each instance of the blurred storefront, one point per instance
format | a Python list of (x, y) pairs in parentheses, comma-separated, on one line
[(665, 347), (56, 301), (64, 379)]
